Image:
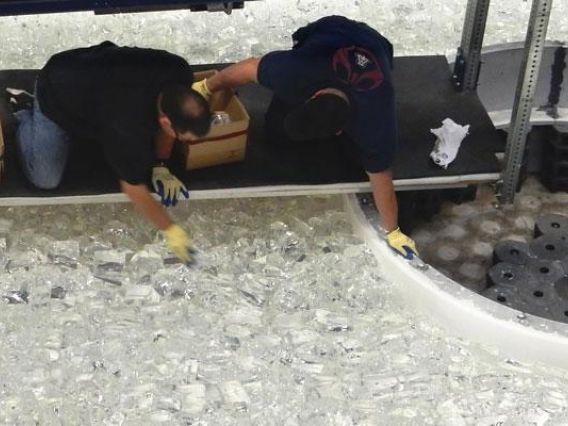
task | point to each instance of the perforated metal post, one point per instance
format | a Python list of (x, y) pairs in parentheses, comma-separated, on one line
[(526, 86), (468, 60)]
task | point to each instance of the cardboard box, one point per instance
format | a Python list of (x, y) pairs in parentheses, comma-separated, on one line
[(225, 143)]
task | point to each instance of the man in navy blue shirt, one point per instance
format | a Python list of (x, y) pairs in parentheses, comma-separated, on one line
[(336, 79)]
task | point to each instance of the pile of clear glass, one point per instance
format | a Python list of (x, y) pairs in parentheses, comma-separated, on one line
[(413, 26), (284, 320)]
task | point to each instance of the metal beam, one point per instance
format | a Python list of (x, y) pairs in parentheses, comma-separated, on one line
[(32, 7), (427, 183), (468, 60), (522, 108)]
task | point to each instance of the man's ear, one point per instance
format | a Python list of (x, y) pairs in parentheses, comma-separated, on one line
[(164, 121), (166, 126)]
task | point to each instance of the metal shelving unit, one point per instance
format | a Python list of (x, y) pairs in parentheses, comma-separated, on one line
[(466, 73), (522, 108), (468, 60)]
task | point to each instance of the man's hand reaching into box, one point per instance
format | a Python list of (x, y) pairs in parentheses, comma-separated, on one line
[(201, 88)]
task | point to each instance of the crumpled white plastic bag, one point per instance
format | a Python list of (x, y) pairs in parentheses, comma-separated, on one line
[(448, 142)]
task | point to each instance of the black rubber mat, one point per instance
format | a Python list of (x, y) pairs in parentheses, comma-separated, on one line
[(424, 98), (533, 277)]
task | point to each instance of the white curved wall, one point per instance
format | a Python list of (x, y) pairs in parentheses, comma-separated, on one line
[(462, 312)]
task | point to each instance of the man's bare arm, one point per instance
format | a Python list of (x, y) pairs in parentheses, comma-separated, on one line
[(234, 75), (387, 205), (145, 203), (385, 198)]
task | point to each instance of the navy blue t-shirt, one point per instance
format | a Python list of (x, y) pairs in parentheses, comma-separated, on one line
[(348, 55)]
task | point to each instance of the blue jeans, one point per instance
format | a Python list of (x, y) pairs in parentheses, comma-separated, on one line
[(43, 148)]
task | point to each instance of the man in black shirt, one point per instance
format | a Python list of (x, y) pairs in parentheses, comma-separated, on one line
[(336, 79), (132, 102)]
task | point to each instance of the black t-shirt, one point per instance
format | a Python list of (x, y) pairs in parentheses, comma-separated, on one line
[(108, 94), (348, 55)]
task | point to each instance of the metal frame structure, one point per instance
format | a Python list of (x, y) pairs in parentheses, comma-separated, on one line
[(522, 108), (466, 74), (468, 60), (415, 184), (32, 7)]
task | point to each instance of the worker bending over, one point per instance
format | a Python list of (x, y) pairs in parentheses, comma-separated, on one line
[(336, 80), (132, 102)]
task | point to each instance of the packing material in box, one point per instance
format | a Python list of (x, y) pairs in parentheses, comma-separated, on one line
[(225, 142)]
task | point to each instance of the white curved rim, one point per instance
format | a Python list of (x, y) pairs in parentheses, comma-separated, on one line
[(266, 191), (461, 312)]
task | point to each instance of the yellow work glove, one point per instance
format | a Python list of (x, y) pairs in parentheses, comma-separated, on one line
[(167, 186), (201, 88), (402, 244), (179, 243)]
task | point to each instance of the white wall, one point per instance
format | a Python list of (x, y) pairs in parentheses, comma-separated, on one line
[(414, 27)]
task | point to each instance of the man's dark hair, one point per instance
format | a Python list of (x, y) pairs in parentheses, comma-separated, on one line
[(318, 118), (187, 110)]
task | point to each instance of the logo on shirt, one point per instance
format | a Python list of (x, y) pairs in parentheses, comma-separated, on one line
[(362, 60), (358, 68)]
